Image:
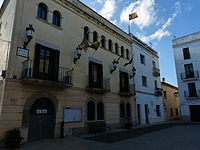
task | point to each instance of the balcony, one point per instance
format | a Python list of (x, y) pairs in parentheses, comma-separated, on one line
[(158, 91), (192, 95), (156, 72), (190, 76), (127, 91), (56, 77), (100, 87)]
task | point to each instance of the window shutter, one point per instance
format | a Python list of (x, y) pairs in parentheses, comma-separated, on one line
[(37, 60)]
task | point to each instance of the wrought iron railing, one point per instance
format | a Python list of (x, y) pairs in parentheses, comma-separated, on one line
[(156, 72), (102, 86), (60, 74), (192, 94), (158, 91), (192, 75)]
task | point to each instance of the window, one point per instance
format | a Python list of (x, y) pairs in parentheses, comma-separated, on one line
[(125, 110), (165, 94), (110, 45), (156, 84), (189, 71), (124, 82), (144, 81), (42, 11), (127, 53), (186, 53), (103, 40), (192, 90), (95, 75), (86, 33), (154, 64), (56, 18), (171, 112), (142, 59), (90, 111), (116, 48), (177, 112), (158, 110), (122, 51), (94, 108), (95, 36), (100, 111)]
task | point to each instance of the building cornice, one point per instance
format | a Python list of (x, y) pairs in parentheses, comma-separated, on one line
[(95, 18), (3, 7), (169, 85)]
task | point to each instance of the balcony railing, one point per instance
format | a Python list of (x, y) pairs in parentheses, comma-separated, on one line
[(191, 76), (98, 87), (156, 72), (158, 91), (192, 95), (128, 92), (60, 75)]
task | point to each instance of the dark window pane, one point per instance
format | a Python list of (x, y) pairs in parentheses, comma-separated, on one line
[(56, 18), (192, 90), (122, 110), (124, 82), (95, 36), (42, 11), (86, 33), (95, 75), (189, 71), (186, 53), (116, 49), (91, 111), (122, 51), (103, 41), (100, 111), (128, 111), (110, 45), (142, 59)]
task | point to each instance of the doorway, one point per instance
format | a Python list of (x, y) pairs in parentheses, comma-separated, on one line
[(146, 113), (139, 114), (41, 120)]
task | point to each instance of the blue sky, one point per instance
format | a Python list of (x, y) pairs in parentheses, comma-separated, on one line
[(158, 22)]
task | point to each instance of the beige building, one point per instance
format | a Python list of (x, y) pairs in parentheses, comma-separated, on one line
[(171, 101), (49, 88)]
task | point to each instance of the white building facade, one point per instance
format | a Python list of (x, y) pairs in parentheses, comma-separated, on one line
[(147, 83), (186, 53)]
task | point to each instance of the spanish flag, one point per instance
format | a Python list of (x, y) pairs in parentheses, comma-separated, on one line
[(85, 44), (133, 16)]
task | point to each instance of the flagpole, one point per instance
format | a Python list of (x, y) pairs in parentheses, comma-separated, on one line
[(129, 27)]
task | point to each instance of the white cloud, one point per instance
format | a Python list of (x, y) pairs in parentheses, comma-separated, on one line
[(1, 1), (162, 32), (108, 9), (145, 10)]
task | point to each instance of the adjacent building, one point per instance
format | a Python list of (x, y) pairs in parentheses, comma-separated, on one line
[(60, 81), (147, 84), (187, 54), (171, 101)]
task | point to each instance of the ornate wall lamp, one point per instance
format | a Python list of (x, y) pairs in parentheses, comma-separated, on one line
[(77, 54), (133, 73), (29, 34)]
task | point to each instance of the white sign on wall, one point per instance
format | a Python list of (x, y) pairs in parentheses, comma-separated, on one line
[(72, 114), (23, 52)]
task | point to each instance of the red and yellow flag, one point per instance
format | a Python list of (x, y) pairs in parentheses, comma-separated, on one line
[(133, 16)]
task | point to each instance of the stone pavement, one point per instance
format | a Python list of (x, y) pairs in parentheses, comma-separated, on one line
[(167, 136)]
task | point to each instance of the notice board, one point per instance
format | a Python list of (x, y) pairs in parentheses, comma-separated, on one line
[(72, 114)]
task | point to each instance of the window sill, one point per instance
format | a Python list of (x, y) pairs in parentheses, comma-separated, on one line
[(46, 22)]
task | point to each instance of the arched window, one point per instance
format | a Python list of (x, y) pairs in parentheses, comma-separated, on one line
[(110, 44), (42, 11), (116, 48), (90, 111), (86, 33), (122, 110), (56, 18), (122, 51), (127, 53), (100, 111), (95, 36), (128, 111), (103, 40)]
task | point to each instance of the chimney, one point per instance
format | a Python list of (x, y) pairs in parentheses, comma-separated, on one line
[(163, 79)]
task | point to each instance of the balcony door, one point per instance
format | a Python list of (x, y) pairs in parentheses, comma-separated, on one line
[(189, 71), (192, 90), (124, 82), (95, 75), (46, 63)]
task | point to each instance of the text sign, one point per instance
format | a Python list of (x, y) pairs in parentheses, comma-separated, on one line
[(22, 52), (72, 114)]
